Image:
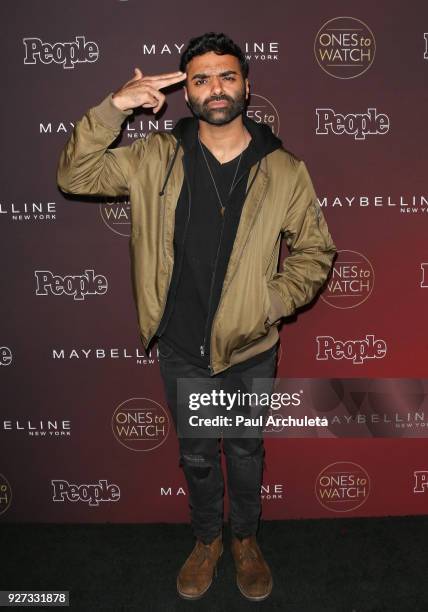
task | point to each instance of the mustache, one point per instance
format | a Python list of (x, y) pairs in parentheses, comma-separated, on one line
[(219, 98)]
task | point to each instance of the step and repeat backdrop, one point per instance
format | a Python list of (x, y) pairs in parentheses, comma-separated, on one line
[(85, 431)]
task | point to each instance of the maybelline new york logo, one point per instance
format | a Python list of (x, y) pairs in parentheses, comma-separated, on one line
[(253, 50), (408, 204), (67, 54), (268, 491), (28, 211), (358, 125), (426, 45), (356, 351), (76, 286), (136, 128), (92, 494), (137, 355), (41, 428)]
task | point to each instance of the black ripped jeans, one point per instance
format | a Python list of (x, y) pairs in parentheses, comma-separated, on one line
[(200, 457)]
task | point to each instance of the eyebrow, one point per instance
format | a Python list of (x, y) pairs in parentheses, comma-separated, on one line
[(201, 75)]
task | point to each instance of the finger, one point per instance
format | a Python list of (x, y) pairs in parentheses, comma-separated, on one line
[(160, 103), (161, 82), (156, 98), (178, 76), (138, 75), (166, 75), (159, 97)]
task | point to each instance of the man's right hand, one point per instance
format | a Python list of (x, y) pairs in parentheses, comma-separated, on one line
[(144, 90)]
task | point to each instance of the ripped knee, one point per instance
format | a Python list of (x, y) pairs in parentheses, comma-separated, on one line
[(198, 464)]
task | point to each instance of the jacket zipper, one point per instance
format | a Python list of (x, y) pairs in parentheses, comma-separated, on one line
[(210, 368), (203, 345), (180, 263), (161, 193)]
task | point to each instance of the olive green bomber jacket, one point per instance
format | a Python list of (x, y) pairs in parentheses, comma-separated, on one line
[(281, 203)]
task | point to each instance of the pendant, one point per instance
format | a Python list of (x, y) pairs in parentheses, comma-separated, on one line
[(222, 209)]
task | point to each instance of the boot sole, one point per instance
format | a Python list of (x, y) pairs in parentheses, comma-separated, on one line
[(199, 595), (257, 598)]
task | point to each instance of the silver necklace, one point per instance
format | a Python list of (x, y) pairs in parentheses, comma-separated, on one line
[(222, 207)]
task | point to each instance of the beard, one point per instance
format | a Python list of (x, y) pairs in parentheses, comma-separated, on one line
[(218, 116)]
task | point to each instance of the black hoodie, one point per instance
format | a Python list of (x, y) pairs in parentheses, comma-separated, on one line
[(203, 238)]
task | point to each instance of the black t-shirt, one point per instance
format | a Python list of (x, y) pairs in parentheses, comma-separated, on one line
[(207, 248)]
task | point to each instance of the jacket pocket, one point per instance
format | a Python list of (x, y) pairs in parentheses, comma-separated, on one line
[(267, 306)]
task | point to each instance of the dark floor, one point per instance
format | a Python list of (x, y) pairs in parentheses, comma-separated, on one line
[(346, 565)]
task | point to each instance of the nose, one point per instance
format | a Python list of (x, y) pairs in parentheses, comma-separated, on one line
[(216, 86)]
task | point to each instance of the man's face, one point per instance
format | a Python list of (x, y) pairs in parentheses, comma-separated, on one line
[(215, 88)]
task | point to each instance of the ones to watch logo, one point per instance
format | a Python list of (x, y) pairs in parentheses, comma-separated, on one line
[(261, 110), (342, 486), (140, 424), (5, 494), (76, 286), (68, 54), (344, 47), (351, 280), (116, 216)]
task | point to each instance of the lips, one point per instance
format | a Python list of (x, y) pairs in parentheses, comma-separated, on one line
[(218, 103)]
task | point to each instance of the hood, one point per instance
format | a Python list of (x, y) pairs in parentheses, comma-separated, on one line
[(264, 140)]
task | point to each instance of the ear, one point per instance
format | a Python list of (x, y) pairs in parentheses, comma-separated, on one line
[(247, 88), (186, 97)]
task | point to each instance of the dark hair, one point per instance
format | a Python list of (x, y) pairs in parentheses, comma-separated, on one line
[(219, 43)]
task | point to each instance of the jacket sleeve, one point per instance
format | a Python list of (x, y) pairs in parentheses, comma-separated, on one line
[(87, 166), (311, 248)]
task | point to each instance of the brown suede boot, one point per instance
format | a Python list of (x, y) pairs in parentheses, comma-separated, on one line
[(195, 577), (253, 575)]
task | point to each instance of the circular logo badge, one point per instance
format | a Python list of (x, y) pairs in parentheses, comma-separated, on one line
[(261, 110), (5, 356), (345, 47), (140, 424), (342, 486), (351, 280), (5, 494), (117, 217)]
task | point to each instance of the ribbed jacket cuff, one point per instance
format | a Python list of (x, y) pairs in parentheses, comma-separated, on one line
[(277, 307), (109, 115)]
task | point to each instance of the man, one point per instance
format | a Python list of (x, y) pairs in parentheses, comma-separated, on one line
[(210, 202)]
